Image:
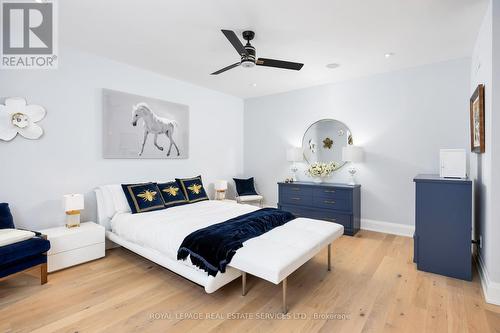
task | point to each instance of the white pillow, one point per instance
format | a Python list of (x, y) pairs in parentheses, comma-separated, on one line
[(119, 199), (11, 236), (107, 198)]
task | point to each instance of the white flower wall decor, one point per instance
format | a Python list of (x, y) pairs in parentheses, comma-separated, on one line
[(16, 116)]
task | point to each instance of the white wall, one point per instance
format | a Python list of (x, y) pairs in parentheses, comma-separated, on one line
[(68, 158), (481, 73), (495, 147), (485, 70), (401, 119)]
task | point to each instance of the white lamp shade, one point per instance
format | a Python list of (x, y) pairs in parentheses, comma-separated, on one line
[(352, 154), (294, 154), (220, 185), (73, 202)]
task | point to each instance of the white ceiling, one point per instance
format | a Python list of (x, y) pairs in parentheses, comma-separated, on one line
[(182, 38)]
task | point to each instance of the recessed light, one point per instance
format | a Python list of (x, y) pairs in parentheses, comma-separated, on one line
[(389, 54), (254, 84), (332, 65)]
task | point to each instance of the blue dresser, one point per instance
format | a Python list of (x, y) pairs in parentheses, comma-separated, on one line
[(337, 203), (443, 226)]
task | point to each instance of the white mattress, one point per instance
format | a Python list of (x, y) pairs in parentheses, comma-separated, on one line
[(158, 235), (164, 230)]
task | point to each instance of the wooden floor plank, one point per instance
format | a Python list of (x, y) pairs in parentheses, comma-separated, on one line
[(373, 287)]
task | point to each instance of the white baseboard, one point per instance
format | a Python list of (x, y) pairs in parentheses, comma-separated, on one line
[(388, 227), (381, 226), (491, 290)]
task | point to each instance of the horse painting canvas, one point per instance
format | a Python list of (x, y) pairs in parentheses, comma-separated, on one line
[(143, 127)]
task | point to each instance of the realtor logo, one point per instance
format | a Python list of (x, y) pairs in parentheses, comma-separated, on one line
[(29, 38)]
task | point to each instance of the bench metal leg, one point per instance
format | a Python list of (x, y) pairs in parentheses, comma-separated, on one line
[(284, 283), (243, 283), (329, 257)]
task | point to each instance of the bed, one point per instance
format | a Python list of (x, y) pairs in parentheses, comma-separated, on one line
[(157, 235)]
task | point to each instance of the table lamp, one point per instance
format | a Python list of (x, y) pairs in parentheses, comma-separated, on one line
[(73, 204), (220, 189), (294, 155), (353, 154)]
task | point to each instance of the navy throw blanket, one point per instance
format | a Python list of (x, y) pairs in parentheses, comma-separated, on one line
[(213, 247)]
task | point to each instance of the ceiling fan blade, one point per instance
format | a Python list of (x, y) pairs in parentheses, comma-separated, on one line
[(279, 64), (235, 41), (226, 68)]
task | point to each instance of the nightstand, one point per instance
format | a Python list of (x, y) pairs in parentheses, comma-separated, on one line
[(69, 247)]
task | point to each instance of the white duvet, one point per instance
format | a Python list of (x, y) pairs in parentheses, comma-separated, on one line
[(164, 230)]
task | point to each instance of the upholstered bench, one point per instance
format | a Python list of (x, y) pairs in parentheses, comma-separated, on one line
[(22, 255), (20, 249), (285, 249)]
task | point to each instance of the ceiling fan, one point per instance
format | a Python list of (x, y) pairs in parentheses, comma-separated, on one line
[(247, 54)]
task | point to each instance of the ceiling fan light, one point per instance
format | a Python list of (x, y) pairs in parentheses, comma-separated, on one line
[(247, 64)]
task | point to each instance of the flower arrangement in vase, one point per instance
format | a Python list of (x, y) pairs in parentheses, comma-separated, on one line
[(319, 171)]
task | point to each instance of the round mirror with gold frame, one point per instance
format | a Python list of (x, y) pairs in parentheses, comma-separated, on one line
[(323, 141)]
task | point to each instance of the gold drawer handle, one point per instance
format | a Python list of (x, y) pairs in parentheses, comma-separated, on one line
[(295, 188), (329, 191), (295, 198), (329, 202), (332, 220)]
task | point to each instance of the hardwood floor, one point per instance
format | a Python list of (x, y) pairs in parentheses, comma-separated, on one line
[(373, 287)]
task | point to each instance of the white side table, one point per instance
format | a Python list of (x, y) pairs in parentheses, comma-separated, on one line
[(69, 247)]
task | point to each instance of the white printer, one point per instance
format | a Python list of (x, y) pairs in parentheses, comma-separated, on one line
[(453, 163)]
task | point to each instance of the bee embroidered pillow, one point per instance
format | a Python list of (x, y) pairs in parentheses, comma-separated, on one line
[(193, 189), (143, 197), (172, 194)]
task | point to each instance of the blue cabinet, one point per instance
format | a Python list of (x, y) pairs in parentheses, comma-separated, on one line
[(337, 203), (443, 226)]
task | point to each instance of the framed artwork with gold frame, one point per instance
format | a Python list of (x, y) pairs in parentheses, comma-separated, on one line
[(477, 120)]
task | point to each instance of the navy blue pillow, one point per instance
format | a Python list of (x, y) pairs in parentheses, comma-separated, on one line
[(143, 197), (172, 194), (193, 189), (245, 186), (6, 219)]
